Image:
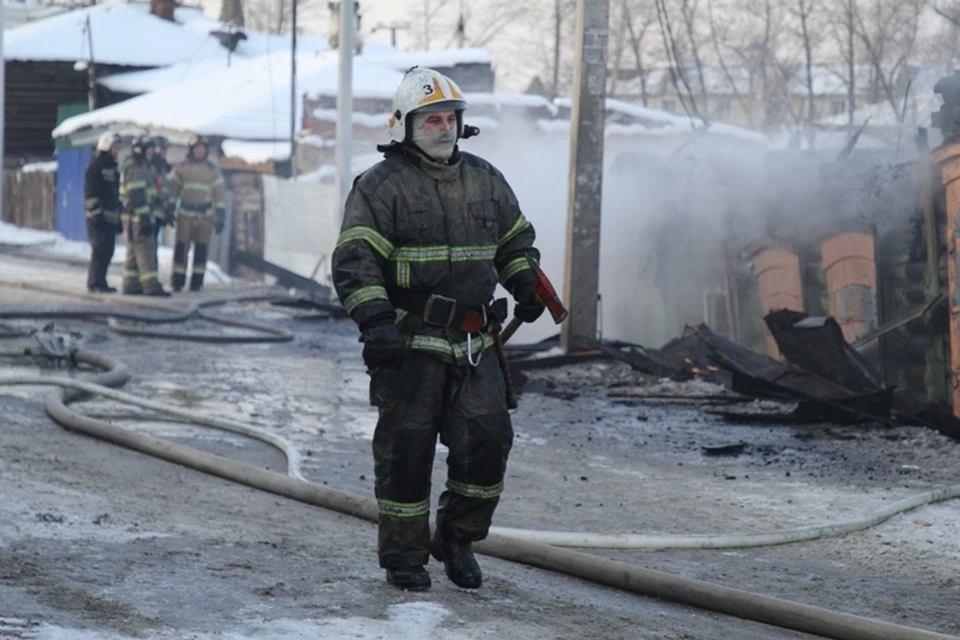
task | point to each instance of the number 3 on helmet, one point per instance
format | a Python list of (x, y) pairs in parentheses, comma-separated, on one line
[(423, 90)]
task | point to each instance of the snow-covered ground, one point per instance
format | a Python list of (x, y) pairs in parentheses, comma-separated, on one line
[(51, 243)]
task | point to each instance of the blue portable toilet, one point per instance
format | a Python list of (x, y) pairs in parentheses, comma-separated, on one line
[(71, 215)]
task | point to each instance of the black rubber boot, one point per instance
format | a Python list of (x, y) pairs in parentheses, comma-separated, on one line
[(458, 561), (409, 578)]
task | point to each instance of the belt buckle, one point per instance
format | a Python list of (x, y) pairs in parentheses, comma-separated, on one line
[(428, 310)]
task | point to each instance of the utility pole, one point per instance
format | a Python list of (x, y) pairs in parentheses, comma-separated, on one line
[(345, 101), (582, 280), (557, 34), (293, 92), (91, 69), (3, 107)]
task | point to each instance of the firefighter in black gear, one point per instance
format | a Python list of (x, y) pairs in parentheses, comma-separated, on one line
[(102, 192), (427, 235), (198, 200), (138, 193)]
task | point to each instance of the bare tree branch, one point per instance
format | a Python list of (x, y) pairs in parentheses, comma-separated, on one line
[(637, 35), (889, 40), (688, 11), (952, 16), (676, 66), (745, 101), (804, 9)]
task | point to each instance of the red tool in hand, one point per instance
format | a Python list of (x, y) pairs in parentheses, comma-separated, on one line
[(548, 296)]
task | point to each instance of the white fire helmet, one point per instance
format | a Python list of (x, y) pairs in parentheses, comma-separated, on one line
[(107, 140), (423, 90)]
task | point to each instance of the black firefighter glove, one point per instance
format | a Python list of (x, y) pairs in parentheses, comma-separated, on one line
[(529, 306), (170, 214), (146, 227), (383, 344), (219, 219)]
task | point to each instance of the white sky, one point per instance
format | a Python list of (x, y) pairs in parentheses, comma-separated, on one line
[(511, 77), (373, 11)]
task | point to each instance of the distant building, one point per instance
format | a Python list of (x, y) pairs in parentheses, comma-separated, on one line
[(18, 13), (748, 98), (48, 62)]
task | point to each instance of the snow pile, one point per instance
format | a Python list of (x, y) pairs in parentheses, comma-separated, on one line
[(434, 59), (55, 245), (499, 101), (647, 121), (328, 172), (123, 34), (137, 82), (256, 152), (371, 79), (483, 123), (404, 621), (367, 120), (40, 167), (14, 236)]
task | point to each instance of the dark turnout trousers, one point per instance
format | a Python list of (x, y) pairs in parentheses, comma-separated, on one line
[(196, 229), (467, 408), (103, 240)]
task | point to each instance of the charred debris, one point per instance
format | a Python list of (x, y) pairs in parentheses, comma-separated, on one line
[(840, 298)]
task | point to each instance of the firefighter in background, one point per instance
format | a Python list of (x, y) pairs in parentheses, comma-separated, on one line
[(427, 235), (138, 193), (102, 192), (197, 197), (162, 213)]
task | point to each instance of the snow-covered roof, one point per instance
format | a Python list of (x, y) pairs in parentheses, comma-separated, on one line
[(255, 43), (647, 121), (435, 59), (248, 101), (137, 82), (123, 34), (128, 35)]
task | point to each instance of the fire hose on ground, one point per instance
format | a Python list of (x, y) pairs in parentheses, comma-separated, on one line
[(144, 313), (528, 547)]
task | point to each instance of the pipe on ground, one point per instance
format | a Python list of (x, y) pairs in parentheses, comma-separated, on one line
[(619, 575)]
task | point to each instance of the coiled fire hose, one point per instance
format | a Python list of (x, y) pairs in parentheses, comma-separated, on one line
[(527, 547)]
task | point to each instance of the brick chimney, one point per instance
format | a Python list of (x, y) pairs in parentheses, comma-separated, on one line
[(163, 8)]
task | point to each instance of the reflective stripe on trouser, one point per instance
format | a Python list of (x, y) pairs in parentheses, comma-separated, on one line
[(103, 240), (467, 408), (140, 268), (196, 229)]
